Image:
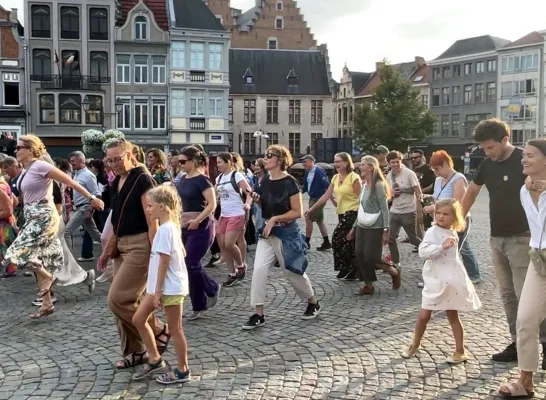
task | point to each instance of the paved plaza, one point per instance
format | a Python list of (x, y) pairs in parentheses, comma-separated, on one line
[(351, 351)]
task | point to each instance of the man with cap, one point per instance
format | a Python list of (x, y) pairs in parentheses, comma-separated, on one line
[(316, 183), (381, 155)]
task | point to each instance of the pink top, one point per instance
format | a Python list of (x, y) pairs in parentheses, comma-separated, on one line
[(35, 185)]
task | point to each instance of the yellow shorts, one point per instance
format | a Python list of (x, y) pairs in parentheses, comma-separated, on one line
[(172, 300)]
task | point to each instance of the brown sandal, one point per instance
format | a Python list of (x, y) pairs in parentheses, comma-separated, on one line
[(43, 312), (45, 287), (365, 291)]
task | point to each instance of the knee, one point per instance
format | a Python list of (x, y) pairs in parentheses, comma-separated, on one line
[(139, 320), (424, 316)]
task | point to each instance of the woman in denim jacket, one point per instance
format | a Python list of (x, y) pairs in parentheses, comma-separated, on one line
[(280, 199)]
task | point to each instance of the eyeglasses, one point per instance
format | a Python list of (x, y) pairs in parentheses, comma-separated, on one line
[(270, 155), (415, 158), (115, 159), (22, 147)]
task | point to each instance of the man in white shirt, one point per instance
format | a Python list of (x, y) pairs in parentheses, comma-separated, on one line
[(406, 210)]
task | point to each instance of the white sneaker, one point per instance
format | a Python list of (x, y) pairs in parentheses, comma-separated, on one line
[(84, 259), (90, 280)]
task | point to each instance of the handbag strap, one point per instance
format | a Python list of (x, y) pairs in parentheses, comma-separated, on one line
[(442, 187), (125, 202)]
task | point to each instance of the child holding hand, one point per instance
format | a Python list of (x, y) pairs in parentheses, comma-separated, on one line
[(447, 286)]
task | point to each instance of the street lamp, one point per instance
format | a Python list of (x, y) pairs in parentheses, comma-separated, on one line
[(260, 135), (88, 106)]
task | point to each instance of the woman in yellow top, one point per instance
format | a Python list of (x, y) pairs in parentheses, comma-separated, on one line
[(345, 187)]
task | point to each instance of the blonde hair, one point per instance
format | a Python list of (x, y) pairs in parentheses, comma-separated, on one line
[(459, 223), (237, 161), (377, 174), (168, 197), (348, 159), (34, 143), (283, 154)]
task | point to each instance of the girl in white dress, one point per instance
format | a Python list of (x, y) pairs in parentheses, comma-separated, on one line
[(446, 283)]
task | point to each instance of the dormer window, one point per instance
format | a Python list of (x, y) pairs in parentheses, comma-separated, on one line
[(248, 77), (292, 78), (279, 23), (141, 28)]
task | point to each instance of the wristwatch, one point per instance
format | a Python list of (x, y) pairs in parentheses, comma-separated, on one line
[(93, 197)]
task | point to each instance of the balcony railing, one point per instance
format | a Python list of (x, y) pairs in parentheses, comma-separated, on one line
[(197, 123), (197, 76), (71, 82)]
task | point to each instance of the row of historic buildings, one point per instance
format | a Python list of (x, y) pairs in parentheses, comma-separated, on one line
[(173, 72), (474, 79), (167, 73)]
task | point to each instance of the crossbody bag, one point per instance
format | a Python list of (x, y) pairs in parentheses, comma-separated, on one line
[(363, 218), (112, 246)]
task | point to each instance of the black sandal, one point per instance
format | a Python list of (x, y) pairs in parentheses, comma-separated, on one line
[(132, 360), (160, 343)]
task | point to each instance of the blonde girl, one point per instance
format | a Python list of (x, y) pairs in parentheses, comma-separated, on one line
[(447, 286), (166, 287)]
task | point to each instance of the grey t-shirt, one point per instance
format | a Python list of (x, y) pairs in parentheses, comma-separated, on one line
[(406, 179)]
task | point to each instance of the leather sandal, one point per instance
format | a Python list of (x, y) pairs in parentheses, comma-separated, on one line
[(45, 287), (43, 312), (397, 279)]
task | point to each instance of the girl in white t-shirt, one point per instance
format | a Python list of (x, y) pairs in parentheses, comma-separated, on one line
[(167, 286)]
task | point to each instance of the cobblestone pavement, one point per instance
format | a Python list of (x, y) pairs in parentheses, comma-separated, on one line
[(352, 351)]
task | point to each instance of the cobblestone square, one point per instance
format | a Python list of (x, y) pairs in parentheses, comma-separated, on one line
[(351, 351)]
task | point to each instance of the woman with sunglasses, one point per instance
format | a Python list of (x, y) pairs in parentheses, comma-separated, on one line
[(37, 245), (279, 196), (346, 186), (198, 204)]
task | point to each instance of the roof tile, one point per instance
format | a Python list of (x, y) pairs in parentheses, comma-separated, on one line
[(157, 7), (527, 40), (195, 14), (474, 45)]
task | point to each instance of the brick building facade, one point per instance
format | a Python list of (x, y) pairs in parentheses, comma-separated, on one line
[(270, 24)]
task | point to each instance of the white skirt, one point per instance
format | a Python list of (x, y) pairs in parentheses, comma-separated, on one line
[(70, 273)]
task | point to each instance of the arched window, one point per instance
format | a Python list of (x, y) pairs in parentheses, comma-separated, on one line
[(141, 28)]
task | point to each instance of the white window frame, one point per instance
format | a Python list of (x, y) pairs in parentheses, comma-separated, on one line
[(158, 69), (178, 54), (178, 103), (141, 27), (139, 103), (216, 50), (196, 49), (10, 77), (126, 101), (157, 105), (197, 103), (480, 67), (143, 72), (491, 65), (282, 22), (216, 104), (126, 69), (272, 39)]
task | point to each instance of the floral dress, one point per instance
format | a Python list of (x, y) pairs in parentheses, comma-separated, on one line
[(160, 175)]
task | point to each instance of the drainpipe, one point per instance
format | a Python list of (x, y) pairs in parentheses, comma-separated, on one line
[(27, 89)]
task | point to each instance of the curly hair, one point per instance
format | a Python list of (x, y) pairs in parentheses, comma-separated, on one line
[(168, 197)]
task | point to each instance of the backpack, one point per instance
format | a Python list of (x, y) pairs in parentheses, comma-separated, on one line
[(234, 185)]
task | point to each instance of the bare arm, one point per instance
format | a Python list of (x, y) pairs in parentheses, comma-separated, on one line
[(245, 187), (418, 205), (59, 176), (470, 196), (296, 210), (357, 187), (459, 189), (210, 197), (164, 260), (152, 223)]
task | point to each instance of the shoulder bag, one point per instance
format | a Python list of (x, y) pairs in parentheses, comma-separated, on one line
[(363, 218), (112, 247), (538, 256)]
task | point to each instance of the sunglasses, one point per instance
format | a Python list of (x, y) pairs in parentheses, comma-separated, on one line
[(270, 155), (182, 162), (415, 158), (22, 147)]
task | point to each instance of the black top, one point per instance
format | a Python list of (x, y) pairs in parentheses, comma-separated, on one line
[(133, 220), (57, 195), (13, 185), (191, 191), (425, 175), (275, 195), (504, 181)]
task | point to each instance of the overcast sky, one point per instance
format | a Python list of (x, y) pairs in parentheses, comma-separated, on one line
[(361, 32)]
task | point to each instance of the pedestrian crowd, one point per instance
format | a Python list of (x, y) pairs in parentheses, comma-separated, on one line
[(156, 217)]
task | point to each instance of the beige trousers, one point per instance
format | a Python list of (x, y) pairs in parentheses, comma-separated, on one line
[(267, 252), (128, 285), (531, 313)]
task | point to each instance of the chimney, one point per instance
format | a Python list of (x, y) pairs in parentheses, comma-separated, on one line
[(379, 65), (419, 61), (13, 15)]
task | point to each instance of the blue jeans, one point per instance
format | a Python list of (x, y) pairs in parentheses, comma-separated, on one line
[(467, 255)]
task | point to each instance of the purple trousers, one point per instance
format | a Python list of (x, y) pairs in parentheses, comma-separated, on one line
[(197, 242)]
